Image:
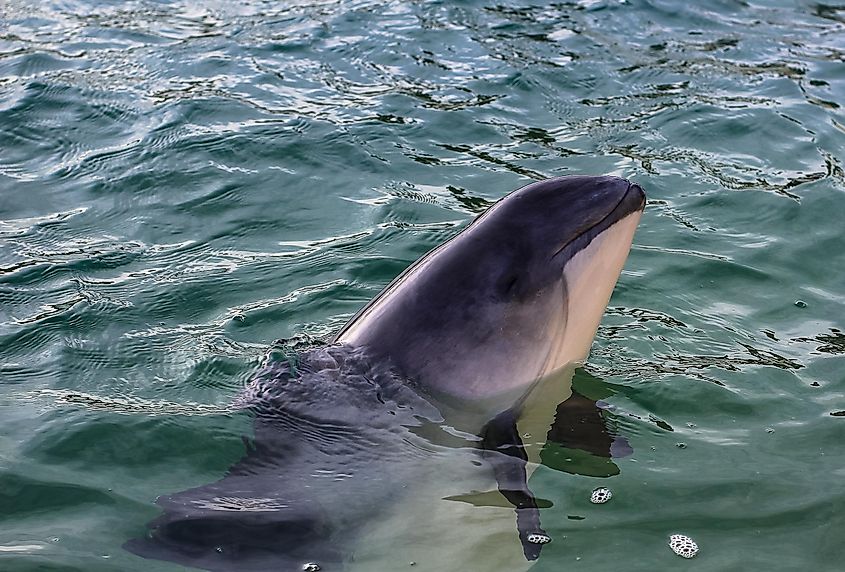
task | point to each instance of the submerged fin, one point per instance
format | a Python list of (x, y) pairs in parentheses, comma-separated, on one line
[(253, 519), (504, 450), (492, 498)]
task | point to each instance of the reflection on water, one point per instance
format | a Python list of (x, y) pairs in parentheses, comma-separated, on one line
[(832, 343), (583, 439)]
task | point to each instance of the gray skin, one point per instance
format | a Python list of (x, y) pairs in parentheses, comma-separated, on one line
[(456, 341), (472, 320)]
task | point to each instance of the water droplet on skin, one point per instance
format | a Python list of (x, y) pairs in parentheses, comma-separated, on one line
[(681, 445), (769, 430), (601, 495), (310, 567), (800, 303), (683, 546)]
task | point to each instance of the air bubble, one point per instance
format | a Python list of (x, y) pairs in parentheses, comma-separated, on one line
[(683, 546), (539, 538), (601, 495), (310, 567)]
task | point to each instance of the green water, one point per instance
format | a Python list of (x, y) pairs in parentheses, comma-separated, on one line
[(181, 183)]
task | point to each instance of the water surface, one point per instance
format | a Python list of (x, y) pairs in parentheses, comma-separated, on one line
[(184, 182)]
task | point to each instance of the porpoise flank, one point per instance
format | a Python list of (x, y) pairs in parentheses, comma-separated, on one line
[(362, 447)]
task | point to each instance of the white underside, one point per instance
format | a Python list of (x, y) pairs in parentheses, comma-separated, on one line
[(590, 277)]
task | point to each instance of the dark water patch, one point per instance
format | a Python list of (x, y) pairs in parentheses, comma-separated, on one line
[(474, 204), (487, 157), (830, 12), (32, 563), (644, 315), (112, 441), (832, 343), (29, 496)]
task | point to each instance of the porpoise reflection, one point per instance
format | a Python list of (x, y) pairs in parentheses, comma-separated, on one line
[(403, 439)]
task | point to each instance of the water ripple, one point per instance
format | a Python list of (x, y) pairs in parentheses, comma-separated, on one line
[(184, 182)]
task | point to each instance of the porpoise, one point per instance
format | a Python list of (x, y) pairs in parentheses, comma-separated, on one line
[(368, 448)]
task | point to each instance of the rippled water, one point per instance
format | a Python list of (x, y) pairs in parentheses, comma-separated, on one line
[(184, 182)]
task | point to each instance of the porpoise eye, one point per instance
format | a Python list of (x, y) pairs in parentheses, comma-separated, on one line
[(508, 284)]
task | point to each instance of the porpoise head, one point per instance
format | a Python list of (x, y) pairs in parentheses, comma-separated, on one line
[(515, 296)]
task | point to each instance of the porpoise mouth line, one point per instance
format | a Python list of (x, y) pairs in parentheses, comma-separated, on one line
[(602, 221)]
